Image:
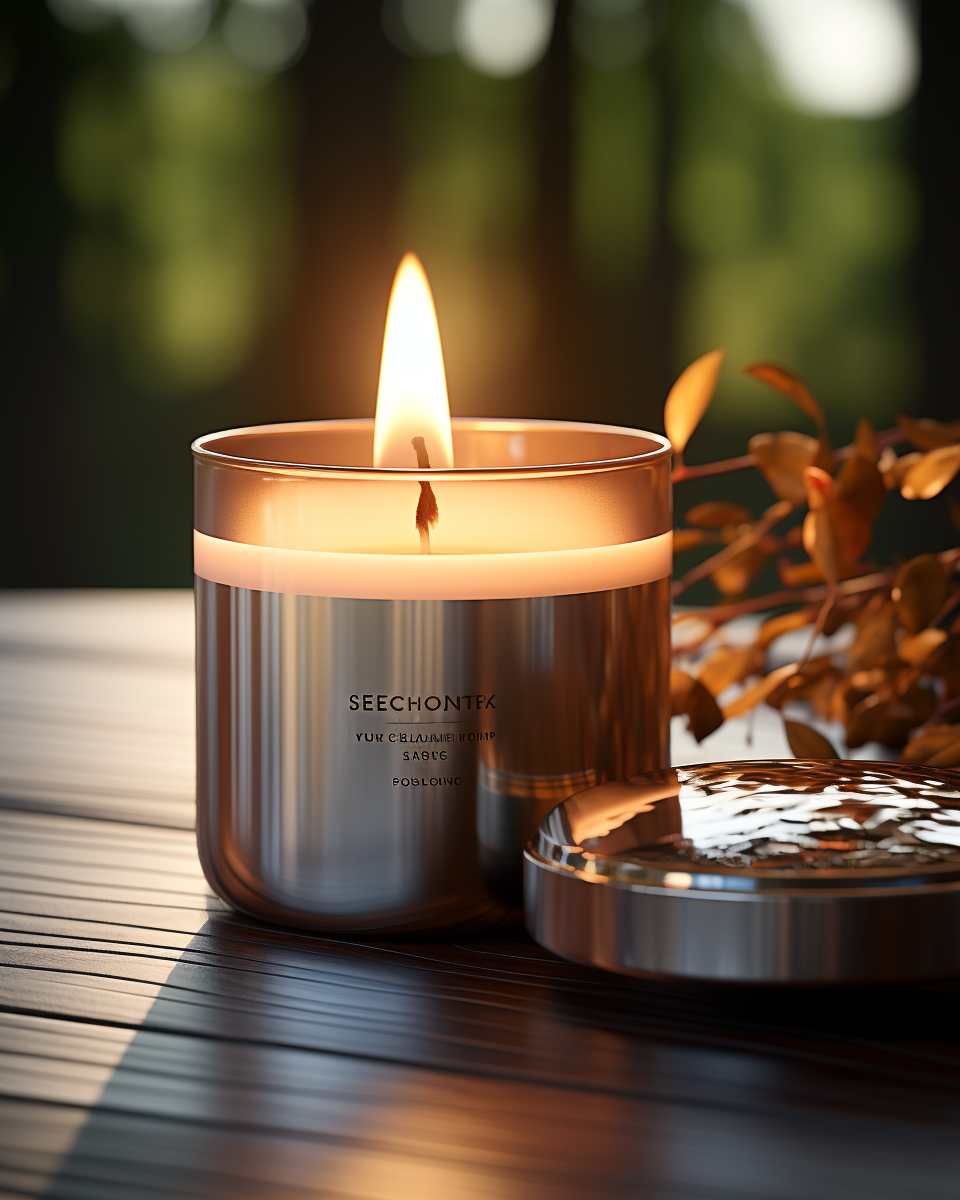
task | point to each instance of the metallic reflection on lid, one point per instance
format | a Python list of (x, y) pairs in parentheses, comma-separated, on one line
[(759, 825)]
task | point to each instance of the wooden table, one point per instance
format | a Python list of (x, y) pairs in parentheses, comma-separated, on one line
[(155, 1045)]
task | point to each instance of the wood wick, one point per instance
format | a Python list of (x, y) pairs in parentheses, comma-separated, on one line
[(427, 512)]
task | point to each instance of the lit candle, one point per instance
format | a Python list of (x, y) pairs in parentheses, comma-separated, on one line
[(528, 511), (531, 507)]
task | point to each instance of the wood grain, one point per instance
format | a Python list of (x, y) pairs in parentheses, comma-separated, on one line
[(153, 1044)]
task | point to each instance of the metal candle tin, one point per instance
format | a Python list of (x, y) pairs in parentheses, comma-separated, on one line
[(808, 872), (373, 755)]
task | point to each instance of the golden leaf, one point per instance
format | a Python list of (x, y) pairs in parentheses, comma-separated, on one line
[(714, 514), (889, 719), (875, 640), (871, 679), (819, 538), (801, 574), (730, 533), (805, 574), (928, 477), (690, 397), (681, 685), (920, 749), (927, 434), (789, 384), (917, 649), (729, 664), (775, 627), (806, 742), (758, 692), (852, 532), (893, 469), (834, 534), (820, 692), (689, 629), (864, 721), (687, 539), (949, 756), (945, 662), (843, 699), (919, 591), (865, 441), (797, 685), (782, 459), (734, 577), (688, 695), (704, 715), (860, 485)]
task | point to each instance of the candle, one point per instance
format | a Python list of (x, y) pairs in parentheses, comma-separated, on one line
[(531, 508), (313, 526), (267, 519)]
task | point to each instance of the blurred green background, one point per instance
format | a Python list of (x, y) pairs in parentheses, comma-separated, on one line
[(204, 203)]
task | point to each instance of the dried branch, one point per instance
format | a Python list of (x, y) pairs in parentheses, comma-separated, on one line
[(774, 515), (720, 614), (889, 437), (898, 680), (821, 621)]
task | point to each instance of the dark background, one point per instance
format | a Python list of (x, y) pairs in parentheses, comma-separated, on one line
[(188, 243)]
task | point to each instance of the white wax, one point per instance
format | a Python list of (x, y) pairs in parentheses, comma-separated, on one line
[(435, 576)]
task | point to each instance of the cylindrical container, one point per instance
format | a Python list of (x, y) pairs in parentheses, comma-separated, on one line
[(380, 730)]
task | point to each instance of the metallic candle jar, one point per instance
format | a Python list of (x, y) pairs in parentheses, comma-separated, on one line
[(380, 731)]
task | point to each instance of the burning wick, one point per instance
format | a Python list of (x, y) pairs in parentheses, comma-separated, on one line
[(427, 512)]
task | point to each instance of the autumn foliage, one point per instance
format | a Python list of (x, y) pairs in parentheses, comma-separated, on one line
[(898, 680)]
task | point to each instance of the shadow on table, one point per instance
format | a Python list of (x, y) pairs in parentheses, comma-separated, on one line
[(283, 1066)]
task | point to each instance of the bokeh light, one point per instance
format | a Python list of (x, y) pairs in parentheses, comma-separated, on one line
[(267, 35), (207, 200), (498, 38), (503, 37), (856, 58), (793, 203), (165, 26)]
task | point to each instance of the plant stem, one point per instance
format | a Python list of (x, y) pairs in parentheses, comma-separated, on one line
[(779, 512), (719, 614), (888, 437), (822, 615), (715, 468)]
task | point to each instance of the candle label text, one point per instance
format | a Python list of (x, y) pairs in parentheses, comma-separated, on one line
[(476, 735), (437, 736), (385, 703)]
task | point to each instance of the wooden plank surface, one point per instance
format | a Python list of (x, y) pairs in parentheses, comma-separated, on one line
[(152, 1044)]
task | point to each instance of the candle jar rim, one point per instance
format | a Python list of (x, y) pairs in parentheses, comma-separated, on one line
[(659, 451)]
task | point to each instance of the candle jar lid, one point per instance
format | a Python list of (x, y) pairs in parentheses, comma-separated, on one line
[(797, 871)]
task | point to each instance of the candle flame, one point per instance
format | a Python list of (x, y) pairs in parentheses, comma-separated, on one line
[(412, 397)]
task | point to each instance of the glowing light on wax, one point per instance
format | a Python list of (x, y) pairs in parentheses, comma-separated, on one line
[(412, 396), (506, 529)]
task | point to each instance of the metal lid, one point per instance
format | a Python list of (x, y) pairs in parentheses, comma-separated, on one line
[(840, 853)]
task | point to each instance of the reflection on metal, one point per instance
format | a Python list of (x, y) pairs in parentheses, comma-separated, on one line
[(380, 764), (792, 872), (509, 808)]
